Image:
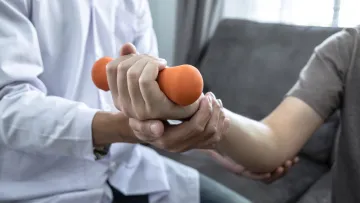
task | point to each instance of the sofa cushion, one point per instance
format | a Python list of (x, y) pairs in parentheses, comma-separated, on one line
[(320, 192), (251, 66), (287, 189)]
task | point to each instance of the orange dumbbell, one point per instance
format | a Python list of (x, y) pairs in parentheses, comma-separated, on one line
[(181, 84)]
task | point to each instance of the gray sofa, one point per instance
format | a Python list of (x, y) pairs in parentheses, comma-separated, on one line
[(251, 66)]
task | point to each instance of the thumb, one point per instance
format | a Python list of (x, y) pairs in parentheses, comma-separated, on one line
[(147, 130), (127, 49)]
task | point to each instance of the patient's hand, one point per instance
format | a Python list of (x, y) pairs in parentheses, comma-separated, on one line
[(240, 170), (135, 91)]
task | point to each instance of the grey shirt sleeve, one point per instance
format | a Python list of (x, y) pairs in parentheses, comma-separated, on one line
[(321, 82)]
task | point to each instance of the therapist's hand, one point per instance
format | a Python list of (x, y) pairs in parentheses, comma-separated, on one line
[(135, 91), (202, 131)]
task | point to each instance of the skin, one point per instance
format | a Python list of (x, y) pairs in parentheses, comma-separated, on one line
[(204, 127), (132, 81), (260, 146), (238, 169)]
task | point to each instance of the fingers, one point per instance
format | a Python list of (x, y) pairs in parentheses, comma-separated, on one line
[(215, 126), (127, 49), (203, 124), (133, 75), (176, 137), (229, 164), (130, 74), (199, 121), (287, 165), (255, 176), (203, 128), (149, 87), (290, 163), (212, 133), (282, 170), (278, 173), (122, 85), (147, 131), (122, 81), (111, 74), (225, 162)]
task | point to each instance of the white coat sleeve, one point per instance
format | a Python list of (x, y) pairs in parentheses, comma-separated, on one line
[(31, 121), (145, 39)]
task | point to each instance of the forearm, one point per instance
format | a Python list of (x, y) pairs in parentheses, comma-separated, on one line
[(108, 128), (252, 144), (263, 146), (30, 122)]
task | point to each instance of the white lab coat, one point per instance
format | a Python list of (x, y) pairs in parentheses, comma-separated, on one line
[(47, 103)]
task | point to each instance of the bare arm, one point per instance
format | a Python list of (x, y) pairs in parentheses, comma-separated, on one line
[(108, 127), (262, 146)]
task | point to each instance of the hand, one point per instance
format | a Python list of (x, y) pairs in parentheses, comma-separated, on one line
[(135, 91), (229, 164), (203, 131)]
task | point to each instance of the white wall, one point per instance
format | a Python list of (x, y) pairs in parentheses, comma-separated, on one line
[(164, 20)]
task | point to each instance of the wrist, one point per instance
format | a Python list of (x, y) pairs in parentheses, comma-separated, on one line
[(110, 127)]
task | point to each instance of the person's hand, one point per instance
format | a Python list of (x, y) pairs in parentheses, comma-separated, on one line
[(135, 91), (202, 131), (229, 164)]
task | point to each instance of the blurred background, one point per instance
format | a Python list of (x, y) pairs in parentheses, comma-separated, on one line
[(194, 15)]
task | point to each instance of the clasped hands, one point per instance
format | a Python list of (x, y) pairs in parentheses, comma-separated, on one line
[(135, 92)]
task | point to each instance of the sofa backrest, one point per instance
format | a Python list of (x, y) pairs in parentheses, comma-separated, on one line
[(251, 66)]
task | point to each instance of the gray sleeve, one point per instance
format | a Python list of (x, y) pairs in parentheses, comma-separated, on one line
[(321, 82)]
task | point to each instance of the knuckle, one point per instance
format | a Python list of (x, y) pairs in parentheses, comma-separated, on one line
[(127, 113), (209, 111), (141, 115), (212, 129), (117, 106), (110, 69), (148, 56), (122, 68), (216, 104), (133, 75), (145, 81), (198, 128), (153, 113), (217, 138)]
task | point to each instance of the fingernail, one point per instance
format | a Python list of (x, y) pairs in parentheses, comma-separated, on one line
[(220, 103), (209, 98), (212, 95), (155, 130)]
